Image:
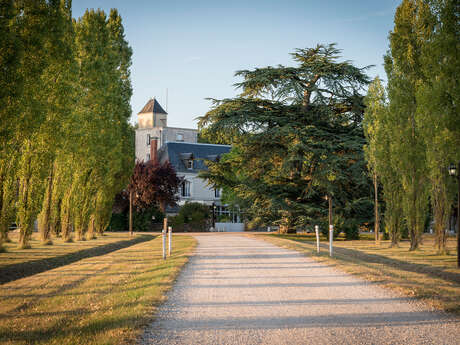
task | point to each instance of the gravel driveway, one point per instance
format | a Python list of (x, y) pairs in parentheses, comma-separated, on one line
[(239, 290)]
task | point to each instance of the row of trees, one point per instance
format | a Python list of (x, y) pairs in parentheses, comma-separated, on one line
[(296, 135), (66, 145), (413, 127)]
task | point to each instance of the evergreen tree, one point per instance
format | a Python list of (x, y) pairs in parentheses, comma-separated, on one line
[(297, 136)]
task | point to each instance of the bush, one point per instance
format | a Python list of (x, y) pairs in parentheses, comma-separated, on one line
[(143, 221), (192, 216), (118, 222), (351, 230), (194, 212)]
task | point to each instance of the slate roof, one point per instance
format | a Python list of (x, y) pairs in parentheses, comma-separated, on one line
[(153, 106), (178, 152)]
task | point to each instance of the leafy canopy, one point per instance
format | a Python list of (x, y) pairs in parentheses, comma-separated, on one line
[(296, 136)]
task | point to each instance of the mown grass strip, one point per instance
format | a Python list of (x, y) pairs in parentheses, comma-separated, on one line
[(38, 251), (106, 299), (25, 269), (424, 275)]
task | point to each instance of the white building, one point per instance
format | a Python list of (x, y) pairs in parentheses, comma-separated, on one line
[(152, 123), (179, 146)]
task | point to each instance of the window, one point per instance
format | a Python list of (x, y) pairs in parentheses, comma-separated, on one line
[(148, 139), (185, 189), (147, 158), (190, 164), (217, 193), (179, 137)]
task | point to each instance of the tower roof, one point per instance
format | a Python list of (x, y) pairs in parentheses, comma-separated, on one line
[(152, 106)]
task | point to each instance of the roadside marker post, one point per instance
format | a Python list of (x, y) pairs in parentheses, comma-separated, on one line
[(163, 233), (331, 235), (317, 238), (170, 240)]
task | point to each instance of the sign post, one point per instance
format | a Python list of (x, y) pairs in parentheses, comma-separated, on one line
[(331, 235), (170, 240), (317, 238), (163, 234)]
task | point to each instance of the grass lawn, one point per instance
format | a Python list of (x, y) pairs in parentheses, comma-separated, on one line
[(422, 274), (14, 255), (105, 299)]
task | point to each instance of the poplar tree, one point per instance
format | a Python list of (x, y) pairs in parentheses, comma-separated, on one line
[(31, 115), (375, 107), (378, 128), (59, 86), (404, 68), (438, 98)]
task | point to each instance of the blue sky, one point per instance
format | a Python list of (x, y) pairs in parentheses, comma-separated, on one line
[(193, 48)]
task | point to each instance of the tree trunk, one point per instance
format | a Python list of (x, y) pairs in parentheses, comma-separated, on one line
[(65, 217), (90, 235), (376, 211), (44, 220), (25, 219), (412, 221), (286, 225), (131, 213)]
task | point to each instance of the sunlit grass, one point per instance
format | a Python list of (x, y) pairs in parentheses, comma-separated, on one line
[(14, 255), (422, 274), (100, 300)]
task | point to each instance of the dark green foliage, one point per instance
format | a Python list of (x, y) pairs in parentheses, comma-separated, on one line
[(118, 222), (144, 220), (192, 216), (296, 135), (351, 230), (194, 212)]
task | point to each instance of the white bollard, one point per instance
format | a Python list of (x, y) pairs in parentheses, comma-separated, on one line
[(331, 236), (317, 238), (163, 233), (170, 240)]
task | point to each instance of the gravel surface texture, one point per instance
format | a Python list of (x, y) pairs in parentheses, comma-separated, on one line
[(239, 290)]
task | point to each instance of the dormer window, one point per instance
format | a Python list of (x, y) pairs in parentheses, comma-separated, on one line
[(187, 159)]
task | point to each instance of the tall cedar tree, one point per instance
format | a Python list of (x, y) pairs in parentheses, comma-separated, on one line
[(296, 135)]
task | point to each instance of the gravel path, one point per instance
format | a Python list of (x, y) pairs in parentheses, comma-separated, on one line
[(238, 290)]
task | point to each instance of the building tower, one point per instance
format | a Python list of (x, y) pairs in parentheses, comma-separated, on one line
[(152, 131), (152, 115)]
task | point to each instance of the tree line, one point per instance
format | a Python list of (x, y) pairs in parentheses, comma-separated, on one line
[(66, 144), (306, 133), (413, 126)]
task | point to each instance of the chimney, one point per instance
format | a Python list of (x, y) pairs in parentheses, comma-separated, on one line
[(154, 149)]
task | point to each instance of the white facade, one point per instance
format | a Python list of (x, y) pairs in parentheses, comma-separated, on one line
[(152, 123), (200, 191)]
